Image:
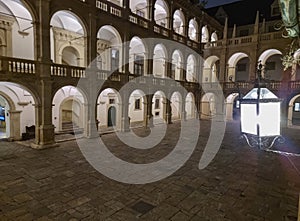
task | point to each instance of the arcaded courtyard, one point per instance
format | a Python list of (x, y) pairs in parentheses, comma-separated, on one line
[(241, 183)]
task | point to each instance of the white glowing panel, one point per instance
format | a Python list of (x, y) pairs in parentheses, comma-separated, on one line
[(248, 118), (268, 119)]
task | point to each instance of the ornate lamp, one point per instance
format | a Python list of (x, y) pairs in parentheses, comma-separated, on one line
[(260, 115)]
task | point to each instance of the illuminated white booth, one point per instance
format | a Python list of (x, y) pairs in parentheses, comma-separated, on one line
[(260, 117)]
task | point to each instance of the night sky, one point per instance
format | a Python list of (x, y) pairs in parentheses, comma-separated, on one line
[(212, 3)]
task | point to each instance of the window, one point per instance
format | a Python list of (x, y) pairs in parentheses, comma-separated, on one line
[(241, 67), (138, 65), (156, 106), (244, 32), (270, 65), (2, 114), (114, 59), (297, 107), (137, 104), (111, 101)]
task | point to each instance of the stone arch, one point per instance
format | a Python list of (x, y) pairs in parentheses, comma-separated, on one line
[(69, 55), (21, 110), (159, 107), (238, 67), (107, 98), (179, 22), (191, 68), (69, 110), (190, 106), (193, 31), (177, 65), (139, 7), (160, 57), (293, 118), (161, 13), (137, 56), (271, 61), (136, 108), (204, 34), (208, 106), (232, 107), (176, 106), (211, 69), (67, 29), (109, 48)]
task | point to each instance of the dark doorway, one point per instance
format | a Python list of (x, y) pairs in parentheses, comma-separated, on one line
[(111, 117)]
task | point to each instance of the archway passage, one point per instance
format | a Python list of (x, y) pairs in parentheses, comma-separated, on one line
[(208, 106), (190, 106), (232, 107), (159, 107), (176, 106), (111, 118), (17, 112), (294, 111), (4, 124), (136, 108), (69, 115)]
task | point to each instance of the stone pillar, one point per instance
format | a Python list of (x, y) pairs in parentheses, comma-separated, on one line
[(148, 117), (15, 130), (168, 111), (125, 51), (44, 135), (183, 70), (183, 112), (125, 121), (91, 41), (150, 62)]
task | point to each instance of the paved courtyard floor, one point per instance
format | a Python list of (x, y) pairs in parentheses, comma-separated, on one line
[(241, 183)]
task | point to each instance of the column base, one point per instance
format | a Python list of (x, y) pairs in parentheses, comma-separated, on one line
[(43, 146)]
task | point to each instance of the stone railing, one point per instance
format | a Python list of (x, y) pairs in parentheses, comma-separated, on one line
[(161, 30), (133, 18), (60, 70), (16, 65), (110, 8)]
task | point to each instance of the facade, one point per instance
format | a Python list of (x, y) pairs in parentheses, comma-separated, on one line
[(48, 48)]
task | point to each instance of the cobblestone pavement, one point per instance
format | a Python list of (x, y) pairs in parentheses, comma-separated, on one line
[(241, 183)]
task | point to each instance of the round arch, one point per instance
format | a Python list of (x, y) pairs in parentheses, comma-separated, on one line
[(179, 22), (159, 60), (204, 34), (177, 61), (67, 29), (176, 106), (208, 106), (139, 7), (193, 31), (232, 106), (136, 108), (238, 67), (109, 48), (211, 69), (190, 106), (191, 68), (137, 56), (159, 107), (293, 118), (161, 13)]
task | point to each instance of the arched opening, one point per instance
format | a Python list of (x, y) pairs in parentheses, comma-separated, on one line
[(4, 118), (177, 65), (17, 30), (204, 34), (109, 110), (69, 111), (17, 112), (159, 61), (137, 56), (191, 71), (176, 106), (211, 69), (179, 22), (109, 49), (67, 38), (136, 108), (296, 67), (273, 68), (159, 107), (294, 112), (214, 37), (193, 30), (232, 107), (208, 106), (139, 7), (70, 56), (190, 106), (238, 67), (161, 13)]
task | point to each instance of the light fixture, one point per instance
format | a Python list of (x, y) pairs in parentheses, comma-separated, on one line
[(260, 115)]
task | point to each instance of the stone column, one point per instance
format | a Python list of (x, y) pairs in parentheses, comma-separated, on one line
[(148, 117), (183, 112), (125, 122), (91, 41), (44, 135), (167, 111), (15, 130), (150, 62)]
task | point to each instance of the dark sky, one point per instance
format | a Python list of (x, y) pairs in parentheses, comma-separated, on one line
[(212, 3)]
